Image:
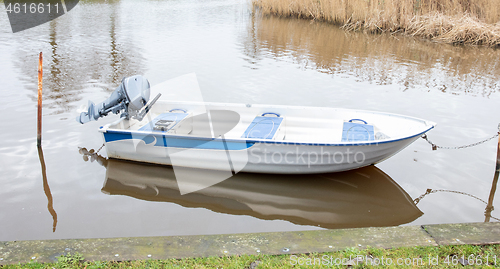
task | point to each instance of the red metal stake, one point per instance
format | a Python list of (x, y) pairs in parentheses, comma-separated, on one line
[(40, 76)]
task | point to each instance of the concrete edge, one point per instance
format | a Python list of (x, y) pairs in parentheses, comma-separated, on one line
[(164, 247)]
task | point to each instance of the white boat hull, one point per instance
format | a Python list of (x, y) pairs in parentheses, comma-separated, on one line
[(309, 146), (263, 157)]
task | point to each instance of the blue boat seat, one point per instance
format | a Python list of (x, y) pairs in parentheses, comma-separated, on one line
[(354, 131), (264, 127)]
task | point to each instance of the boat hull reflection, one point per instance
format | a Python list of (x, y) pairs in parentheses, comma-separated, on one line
[(365, 197)]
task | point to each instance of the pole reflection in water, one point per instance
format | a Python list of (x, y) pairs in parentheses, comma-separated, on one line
[(362, 198), (46, 189), (489, 206)]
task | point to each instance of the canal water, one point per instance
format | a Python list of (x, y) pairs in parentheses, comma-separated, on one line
[(238, 56)]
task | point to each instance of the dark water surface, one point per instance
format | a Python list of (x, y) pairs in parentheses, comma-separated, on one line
[(239, 58)]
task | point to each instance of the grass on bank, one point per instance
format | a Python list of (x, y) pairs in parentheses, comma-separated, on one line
[(474, 22), (410, 257)]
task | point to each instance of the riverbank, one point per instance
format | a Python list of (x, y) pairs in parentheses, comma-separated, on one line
[(404, 257), (279, 249), (475, 22)]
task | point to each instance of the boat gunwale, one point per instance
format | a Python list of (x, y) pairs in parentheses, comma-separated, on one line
[(263, 141), (105, 129)]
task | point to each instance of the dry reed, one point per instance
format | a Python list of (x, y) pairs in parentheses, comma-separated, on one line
[(453, 21)]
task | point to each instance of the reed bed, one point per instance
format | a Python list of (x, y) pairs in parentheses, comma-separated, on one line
[(474, 22)]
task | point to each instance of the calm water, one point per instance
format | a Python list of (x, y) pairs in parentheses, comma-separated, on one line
[(240, 58)]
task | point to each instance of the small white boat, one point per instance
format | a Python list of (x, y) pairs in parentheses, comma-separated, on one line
[(248, 137)]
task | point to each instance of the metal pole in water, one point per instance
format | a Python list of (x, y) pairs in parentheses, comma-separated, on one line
[(39, 122), (489, 207)]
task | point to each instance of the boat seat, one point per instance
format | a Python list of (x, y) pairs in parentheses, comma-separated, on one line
[(176, 121), (269, 125), (357, 130)]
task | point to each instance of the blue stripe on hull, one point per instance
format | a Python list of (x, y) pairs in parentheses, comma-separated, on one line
[(110, 136), (179, 142)]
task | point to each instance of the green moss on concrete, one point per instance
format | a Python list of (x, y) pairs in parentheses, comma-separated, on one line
[(416, 257), (280, 243)]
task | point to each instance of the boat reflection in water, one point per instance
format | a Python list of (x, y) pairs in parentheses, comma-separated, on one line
[(360, 198)]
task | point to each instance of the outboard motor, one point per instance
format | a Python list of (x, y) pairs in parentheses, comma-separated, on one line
[(131, 97)]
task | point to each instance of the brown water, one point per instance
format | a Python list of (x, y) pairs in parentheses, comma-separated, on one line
[(241, 58)]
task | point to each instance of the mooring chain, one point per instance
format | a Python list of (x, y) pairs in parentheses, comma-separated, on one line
[(417, 200), (429, 191), (92, 155), (100, 148), (435, 147)]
